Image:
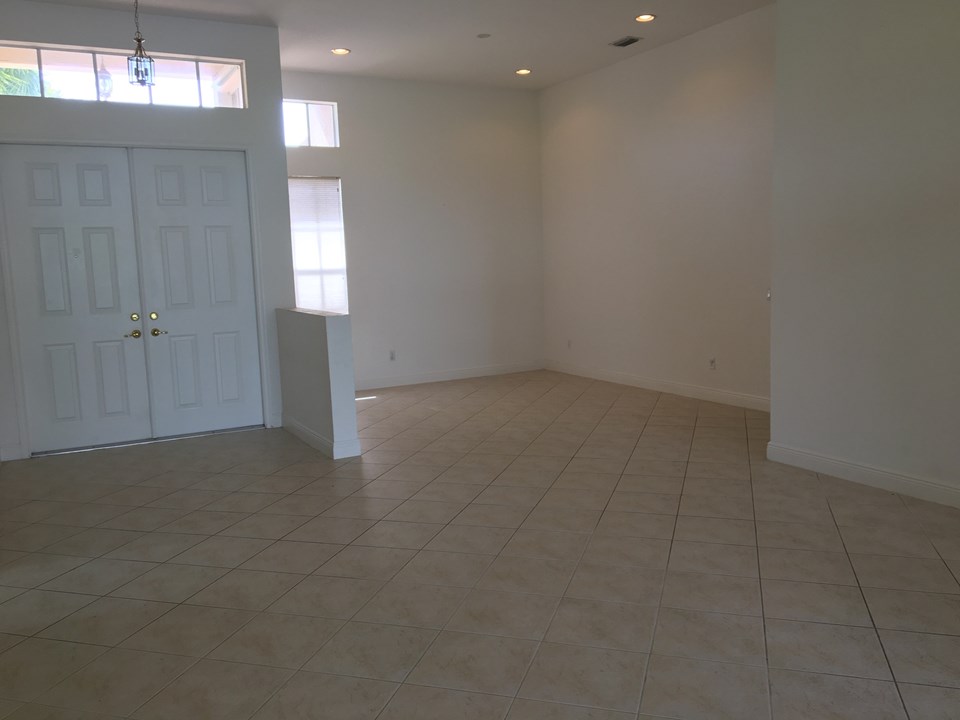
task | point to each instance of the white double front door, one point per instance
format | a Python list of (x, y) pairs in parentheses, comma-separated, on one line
[(132, 279)]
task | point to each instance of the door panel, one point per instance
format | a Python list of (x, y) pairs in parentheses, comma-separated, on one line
[(197, 274), (69, 229)]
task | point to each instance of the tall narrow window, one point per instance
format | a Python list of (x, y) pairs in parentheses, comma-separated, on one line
[(319, 254)]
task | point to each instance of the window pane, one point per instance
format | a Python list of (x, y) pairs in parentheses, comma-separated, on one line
[(335, 293), (68, 75), (332, 253), (309, 291), (176, 83), (221, 85), (323, 124), (19, 74), (112, 81), (306, 249), (295, 131)]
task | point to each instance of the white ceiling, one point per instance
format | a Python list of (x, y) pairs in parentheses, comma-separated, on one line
[(437, 39)]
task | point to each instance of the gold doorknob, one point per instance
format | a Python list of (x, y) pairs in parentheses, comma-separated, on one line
[(156, 332), (134, 334)]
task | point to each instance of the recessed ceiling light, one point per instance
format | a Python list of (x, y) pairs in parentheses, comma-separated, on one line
[(524, 71), (341, 51), (645, 18)]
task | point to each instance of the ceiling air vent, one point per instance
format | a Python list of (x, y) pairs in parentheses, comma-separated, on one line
[(625, 41)]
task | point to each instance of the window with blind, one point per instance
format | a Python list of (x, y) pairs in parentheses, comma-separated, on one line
[(319, 254)]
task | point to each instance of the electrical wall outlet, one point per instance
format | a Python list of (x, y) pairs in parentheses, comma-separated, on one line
[(713, 363), (393, 355)]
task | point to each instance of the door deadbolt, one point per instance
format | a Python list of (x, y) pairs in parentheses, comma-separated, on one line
[(134, 316), (154, 315)]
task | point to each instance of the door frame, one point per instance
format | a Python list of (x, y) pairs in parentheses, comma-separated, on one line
[(9, 301)]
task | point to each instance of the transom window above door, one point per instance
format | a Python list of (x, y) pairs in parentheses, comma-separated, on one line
[(101, 75)]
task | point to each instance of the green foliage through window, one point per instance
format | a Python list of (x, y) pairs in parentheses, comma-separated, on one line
[(17, 81)]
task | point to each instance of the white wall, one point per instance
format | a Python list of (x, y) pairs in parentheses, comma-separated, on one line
[(441, 196), (657, 215), (257, 130), (316, 366), (866, 316)]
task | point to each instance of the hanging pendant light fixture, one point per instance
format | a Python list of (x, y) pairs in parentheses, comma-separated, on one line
[(104, 81), (139, 65)]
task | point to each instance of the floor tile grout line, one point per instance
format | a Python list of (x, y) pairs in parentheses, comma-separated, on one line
[(165, 685), (866, 605), (583, 552), (763, 609), (314, 573), (187, 669), (298, 670), (954, 573), (515, 530), (752, 458), (120, 597), (446, 622), (656, 624), (656, 614), (453, 429), (463, 421), (711, 661), (257, 614), (576, 566)]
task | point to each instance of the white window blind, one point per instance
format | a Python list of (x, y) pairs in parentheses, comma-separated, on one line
[(319, 255)]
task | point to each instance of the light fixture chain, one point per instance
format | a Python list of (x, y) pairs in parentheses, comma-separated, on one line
[(140, 66)]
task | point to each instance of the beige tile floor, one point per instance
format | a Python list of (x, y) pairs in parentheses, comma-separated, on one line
[(533, 547)]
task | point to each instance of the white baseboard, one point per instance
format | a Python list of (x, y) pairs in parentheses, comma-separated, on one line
[(12, 452), (922, 488), (727, 397), (335, 449), (461, 374)]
